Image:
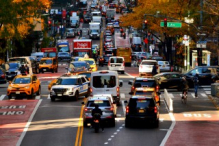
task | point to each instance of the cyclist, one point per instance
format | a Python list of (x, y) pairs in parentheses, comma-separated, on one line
[(98, 111), (185, 87)]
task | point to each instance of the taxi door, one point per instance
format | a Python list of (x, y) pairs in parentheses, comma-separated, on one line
[(34, 83)]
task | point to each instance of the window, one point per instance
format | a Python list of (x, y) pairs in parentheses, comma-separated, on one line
[(101, 103), (175, 76), (197, 70), (34, 78), (207, 70), (140, 103), (22, 80), (66, 81), (141, 83), (48, 61), (150, 93), (116, 60), (148, 63), (102, 81), (83, 80)]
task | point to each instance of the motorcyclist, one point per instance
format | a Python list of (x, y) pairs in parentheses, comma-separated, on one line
[(27, 69), (184, 86), (23, 69), (101, 61), (97, 110)]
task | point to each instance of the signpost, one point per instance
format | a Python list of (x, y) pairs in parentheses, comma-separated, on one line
[(201, 44), (171, 24)]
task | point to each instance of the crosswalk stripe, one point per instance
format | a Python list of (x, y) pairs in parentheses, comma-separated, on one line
[(2, 97), (37, 97), (204, 95), (122, 95), (171, 95), (48, 96), (193, 95), (208, 92)]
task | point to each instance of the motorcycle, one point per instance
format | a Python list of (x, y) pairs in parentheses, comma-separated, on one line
[(96, 122)]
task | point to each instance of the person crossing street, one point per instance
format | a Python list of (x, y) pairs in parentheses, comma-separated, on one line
[(196, 82)]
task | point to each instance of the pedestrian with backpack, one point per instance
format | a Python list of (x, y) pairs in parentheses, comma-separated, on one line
[(196, 82)]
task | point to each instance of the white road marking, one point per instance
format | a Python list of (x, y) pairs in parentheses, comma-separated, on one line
[(106, 143), (118, 115), (115, 133), (208, 92), (193, 95), (109, 139), (203, 94), (28, 123), (2, 97), (122, 95), (123, 107), (129, 75), (48, 96), (37, 97), (112, 135), (164, 129)]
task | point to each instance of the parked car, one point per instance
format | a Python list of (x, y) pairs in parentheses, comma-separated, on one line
[(14, 70), (146, 66), (164, 66)]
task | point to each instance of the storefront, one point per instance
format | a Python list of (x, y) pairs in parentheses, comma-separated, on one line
[(206, 58)]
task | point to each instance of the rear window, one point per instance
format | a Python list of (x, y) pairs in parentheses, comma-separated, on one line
[(104, 81), (101, 103), (150, 93), (148, 63), (116, 60), (141, 83), (140, 103)]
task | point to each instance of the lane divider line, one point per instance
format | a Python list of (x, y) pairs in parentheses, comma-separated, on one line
[(2, 97), (129, 75), (37, 97), (28, 123)]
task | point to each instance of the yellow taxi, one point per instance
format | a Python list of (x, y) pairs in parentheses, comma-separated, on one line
[(148, 91), (24, 85), (92, 63), (48, 65), (86, 73)]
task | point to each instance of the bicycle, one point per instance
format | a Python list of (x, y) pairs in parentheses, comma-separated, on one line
[(184, 99)]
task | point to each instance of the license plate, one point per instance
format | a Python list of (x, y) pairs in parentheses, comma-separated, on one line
[(17, 92), (59, 94), (141, 111), (113, 65), (44, 69)]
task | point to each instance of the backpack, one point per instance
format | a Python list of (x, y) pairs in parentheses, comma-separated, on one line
[(195, 80)]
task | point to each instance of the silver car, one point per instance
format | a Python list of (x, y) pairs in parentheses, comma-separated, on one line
[(105, 104)]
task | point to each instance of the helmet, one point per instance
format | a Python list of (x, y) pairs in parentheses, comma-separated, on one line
[(96, 106)]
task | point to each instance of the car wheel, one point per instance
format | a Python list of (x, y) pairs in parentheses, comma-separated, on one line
[(127, 123), (156, 124), (9, 97), (31, 94), (76, 96), (52, 99), (52, 71), (113, 123), (39, 91)]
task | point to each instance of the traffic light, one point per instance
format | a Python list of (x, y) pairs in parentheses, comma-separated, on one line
[(165, 22), (145, 24), (49, 24)]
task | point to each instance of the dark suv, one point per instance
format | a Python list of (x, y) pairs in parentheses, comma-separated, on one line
[(144, 82), (142, 109), (207, 74)]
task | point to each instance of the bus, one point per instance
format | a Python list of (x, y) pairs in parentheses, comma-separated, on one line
[(125, 52), (63, 46)]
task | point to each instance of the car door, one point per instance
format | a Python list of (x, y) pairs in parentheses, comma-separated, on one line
[(84, 84), (79, 82), (206, 77), (174, 81), (165, 83), (34, 84), (191, 74)]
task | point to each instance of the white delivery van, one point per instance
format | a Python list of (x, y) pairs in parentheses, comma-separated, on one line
[(106, 82), (116, 63)]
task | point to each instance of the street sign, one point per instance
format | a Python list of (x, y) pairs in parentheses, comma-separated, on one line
[(171, 24), (201, 44)]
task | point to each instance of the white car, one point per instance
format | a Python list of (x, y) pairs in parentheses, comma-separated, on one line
[(164, 66), (70, 87), (146, 66), (117, 64)]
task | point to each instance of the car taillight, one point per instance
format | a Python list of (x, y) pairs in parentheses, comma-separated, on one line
[(123, 63), (117, 89), (108, 63), (133, 87), (155, 109), (91, 91), (85, 109), (3, 76), (157, 88), (141, 66), (157, 98), (127, 109), (130, 57), (111, 108)]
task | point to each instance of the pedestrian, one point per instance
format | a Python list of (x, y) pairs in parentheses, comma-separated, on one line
[(27, 69), (95, 54), (154, 69), (196, 82)]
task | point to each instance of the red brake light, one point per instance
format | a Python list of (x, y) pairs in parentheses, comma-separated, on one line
[(141, 66), (108, 63), (130, 57), (157, 88), (155, 109), (117, 89), (3, 76), (157, 98), (85, 109), (127, 109), (123, 63)]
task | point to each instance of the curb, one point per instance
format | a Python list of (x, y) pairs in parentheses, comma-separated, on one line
[(214, 101)]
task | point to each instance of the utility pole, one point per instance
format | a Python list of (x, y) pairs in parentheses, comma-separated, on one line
[(201, 13)]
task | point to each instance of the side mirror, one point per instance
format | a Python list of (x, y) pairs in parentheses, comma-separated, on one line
[(130, 93), (125, 101), (82, 103), (120, 83), (130, 82)]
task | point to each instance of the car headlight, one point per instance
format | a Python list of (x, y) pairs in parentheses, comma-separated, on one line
[(9, 88), (27, 87)]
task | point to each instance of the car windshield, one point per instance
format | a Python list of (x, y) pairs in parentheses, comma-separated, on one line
[(78, 65), (80, 54), (13, 65), (101, 103), (66, 54), (140, 103), (50, 54), (21, 60), (63, 49), (94, 31), (48, 61), (74, 21), (104, 81), (141, 83), (116, 60), (70, 30), (67, 81), (22, 80), (150, 93), (147, 63), (91, 62)]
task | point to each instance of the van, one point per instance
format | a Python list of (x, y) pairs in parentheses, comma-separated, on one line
[(146, 66), (106, 82), (117, 63), (48, 65), (136, 44)]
